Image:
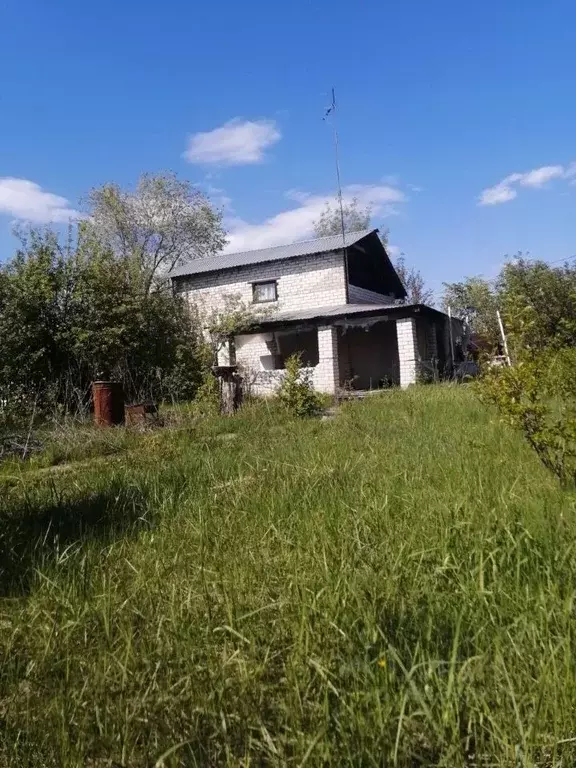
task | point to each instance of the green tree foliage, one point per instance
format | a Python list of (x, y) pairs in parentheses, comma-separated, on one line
[(358, 218), (413, 282), (162, 223), (476, 300), (538, 303), (538, 394), (71, 312)]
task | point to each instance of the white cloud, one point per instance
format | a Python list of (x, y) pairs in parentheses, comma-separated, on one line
[(500, 193), (27, 201), (541, 176), (506, 189), (298, 223), (237, 142)]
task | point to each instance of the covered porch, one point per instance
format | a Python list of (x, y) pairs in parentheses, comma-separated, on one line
[(354, 347)]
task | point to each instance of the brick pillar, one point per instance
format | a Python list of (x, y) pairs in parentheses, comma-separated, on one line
[(326, 377), (407, 350)]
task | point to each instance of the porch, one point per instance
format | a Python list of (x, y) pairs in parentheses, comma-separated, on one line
[(356, 347)]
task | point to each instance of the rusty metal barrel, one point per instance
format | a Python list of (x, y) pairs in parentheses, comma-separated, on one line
[(108, 399)]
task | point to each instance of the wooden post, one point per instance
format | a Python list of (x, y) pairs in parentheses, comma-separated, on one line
[(230, 386), (504, 340), (452, 361)]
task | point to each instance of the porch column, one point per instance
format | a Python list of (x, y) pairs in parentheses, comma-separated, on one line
[(326, 372), (407, 350)]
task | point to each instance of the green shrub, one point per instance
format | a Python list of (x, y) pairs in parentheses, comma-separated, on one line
[(538, 395), (296, 392), (207, 400)]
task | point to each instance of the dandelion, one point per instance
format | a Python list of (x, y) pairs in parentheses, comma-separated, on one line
[(382, 662)]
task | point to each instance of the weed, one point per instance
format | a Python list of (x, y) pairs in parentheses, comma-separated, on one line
[(394, 586)]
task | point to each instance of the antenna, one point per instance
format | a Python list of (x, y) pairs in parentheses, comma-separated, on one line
[(331, 111)]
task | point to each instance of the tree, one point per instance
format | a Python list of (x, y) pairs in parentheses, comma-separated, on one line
[(358, 218), (330, 221), (70, 311), (538, 303), (413, 282), (475, 300), (161, 224)]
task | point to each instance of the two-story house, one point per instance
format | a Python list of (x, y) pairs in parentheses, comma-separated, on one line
[(338, 305)]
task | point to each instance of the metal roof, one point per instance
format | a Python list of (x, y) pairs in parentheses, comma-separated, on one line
[(276, 253), (318, 312), (345, 310)]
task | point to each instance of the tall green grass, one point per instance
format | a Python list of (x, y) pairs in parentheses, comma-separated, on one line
[(394, 586)]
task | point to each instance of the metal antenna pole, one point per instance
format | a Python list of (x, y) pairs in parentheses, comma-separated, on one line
[(337, 158), (332, 111)]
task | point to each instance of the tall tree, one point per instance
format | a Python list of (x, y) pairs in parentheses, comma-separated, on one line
[(162, 223), (476, 300), (358, 218), (538, 302), (69, 311), (330, 221), (413, 282)]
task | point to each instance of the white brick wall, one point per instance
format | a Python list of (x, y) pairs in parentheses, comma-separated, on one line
[(358, 295), (252, 351), (407, 350), (326, 378), (303, 283)]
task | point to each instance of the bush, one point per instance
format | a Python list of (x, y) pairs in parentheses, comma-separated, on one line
[(69, 313), (538, 396), (296, 392)]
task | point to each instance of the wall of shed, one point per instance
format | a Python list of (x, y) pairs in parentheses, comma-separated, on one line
[(303, 283)]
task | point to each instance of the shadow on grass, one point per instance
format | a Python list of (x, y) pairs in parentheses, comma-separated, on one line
[(35, 534)]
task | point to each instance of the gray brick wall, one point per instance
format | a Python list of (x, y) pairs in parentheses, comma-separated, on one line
[(364, 296), (303, 283)]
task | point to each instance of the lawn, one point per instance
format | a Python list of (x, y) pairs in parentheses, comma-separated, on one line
[(393, 586)]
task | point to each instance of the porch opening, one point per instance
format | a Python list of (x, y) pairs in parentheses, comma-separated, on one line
[(290, 343), (368, 356)]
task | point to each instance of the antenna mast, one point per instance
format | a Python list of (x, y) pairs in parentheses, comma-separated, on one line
[(332, 112)]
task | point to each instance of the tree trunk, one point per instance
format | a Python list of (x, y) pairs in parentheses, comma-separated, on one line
[(230, 385)]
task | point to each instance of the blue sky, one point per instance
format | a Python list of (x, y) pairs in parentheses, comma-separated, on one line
[(442, 106)]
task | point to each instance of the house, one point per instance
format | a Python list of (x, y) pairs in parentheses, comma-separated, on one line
[(336, 303)]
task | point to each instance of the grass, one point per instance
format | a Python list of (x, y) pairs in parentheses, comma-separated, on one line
[(394, 586)]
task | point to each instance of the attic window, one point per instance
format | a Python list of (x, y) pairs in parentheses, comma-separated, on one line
[(264, 291)]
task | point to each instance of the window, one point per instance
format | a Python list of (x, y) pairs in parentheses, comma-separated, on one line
[(265, 291)]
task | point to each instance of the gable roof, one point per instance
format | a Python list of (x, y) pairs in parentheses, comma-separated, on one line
[(276, 253)]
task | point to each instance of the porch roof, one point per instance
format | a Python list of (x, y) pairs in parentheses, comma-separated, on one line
[(330, 315)]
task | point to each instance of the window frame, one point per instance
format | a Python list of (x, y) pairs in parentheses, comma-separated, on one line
[(257, 283)]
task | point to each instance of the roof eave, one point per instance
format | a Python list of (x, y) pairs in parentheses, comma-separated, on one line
[(395, 310)]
